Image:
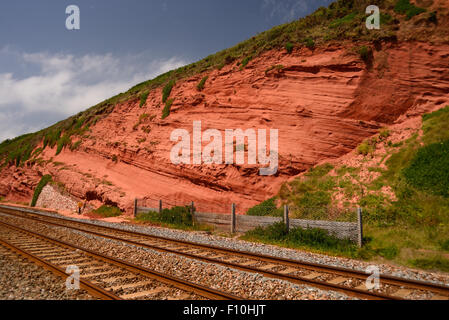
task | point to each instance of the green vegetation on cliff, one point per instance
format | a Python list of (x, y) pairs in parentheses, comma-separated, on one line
[(342, 20), (41, 185), (410, 229)]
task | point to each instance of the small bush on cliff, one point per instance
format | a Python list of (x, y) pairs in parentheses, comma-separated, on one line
[(167, 108), (143, 98), (309, 43), (201, 84), (37, 192), (167, 90), (108, 211), (245, 62), (289, 47), (367, 147), (366, 54)]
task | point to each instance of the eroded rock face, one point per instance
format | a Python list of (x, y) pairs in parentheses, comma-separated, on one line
[(323, 102)]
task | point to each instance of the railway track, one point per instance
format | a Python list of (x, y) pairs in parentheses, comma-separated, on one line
[(101, 275), (348, 281)]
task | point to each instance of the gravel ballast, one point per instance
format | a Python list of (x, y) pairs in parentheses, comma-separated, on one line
[(242, 284), (21, 279), (275, 251)]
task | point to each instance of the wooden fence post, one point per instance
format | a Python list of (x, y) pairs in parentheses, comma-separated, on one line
[(233, 224), (160, 206), (135, 208), (360, 227), (192, 212), (286, 218)]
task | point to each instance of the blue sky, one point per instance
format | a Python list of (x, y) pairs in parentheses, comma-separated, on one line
[(48, 72)]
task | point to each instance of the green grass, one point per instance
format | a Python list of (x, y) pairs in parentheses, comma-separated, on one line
[(75, 146), (434, 263), (309, 43), (398, 230), (429, 170), (167, 108), (245, 62), (316, 239), (266, 208), (366, 54), (143, 99), (405, 7), (167, 90), (367, 147), (63, 142), (201, 84), (42, 183), (108, 211), (309, 31), (179, 217), (345, 20)]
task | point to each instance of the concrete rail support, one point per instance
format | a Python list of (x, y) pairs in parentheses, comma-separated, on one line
[(360, 227), (233, 219)]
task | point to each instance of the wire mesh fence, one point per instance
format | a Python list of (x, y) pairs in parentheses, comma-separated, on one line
[(343, 223), (153, 203)]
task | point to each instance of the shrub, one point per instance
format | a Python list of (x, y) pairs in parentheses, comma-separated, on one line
[(201, 84), (108, 211), (167, 90), (37, 192), (289, 47), (266, 208), (245, 62), (179, 216), (309, 43), (167, 108), (143, 99), (367, 147), (384, 133), (366, 54)]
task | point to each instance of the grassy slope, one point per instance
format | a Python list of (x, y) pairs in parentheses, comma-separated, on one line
[(342, 20), (411, 228)]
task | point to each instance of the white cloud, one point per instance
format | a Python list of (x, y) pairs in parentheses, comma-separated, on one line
[(286, 10), (289, 10), (61, 85)]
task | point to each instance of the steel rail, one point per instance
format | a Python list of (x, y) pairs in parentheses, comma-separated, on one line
[(385, 279), (84, 284), (164, 278)]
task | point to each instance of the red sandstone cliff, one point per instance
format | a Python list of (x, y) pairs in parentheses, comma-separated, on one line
[(323, 102)]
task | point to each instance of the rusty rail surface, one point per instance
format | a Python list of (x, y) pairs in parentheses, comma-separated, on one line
[(441, 292), (181, 284)]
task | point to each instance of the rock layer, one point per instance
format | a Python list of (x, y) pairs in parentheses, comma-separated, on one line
[(323, 102)]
